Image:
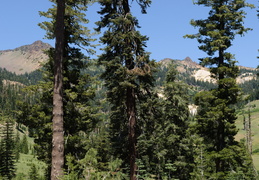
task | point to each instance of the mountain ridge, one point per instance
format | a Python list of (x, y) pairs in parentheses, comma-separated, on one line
[(201, 73), (28, 58), (24, 59)]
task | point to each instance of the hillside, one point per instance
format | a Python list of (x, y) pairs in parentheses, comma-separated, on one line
[(254, 116), (188, 66), (24, 59)]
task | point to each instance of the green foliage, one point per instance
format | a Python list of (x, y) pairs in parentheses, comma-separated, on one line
[(24, 145), (128, 78), (167, 148), (79, 116), (27, 78), (24, 166), (176, 123), (17, 146), (168, 141), (216, 114), (225, 21), (7, 147), (33, 173)]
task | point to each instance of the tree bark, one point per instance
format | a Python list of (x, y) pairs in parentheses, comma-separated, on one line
[(58, 129), (131, 114)]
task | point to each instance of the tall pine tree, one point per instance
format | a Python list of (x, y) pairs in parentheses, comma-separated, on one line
[(77, 92), (216, 115), (128, 77)]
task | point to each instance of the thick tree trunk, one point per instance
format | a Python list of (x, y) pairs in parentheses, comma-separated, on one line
[(58, 130), (131, 114)]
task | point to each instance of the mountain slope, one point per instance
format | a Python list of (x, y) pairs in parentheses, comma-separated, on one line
[(25, 58), (193, 69), (29, 57)]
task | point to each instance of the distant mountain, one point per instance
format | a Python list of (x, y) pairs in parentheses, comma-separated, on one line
[(25, 58), (28, 58), (193, 69)]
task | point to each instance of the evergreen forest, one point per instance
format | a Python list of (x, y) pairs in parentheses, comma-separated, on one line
[(123, 115)]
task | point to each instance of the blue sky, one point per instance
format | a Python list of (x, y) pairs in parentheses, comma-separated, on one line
[(166, 22)]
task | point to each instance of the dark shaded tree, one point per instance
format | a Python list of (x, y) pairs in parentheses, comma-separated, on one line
[(168, 147), (24, 145), (175, 127), (128, 76), (33, 172), (7, 154)]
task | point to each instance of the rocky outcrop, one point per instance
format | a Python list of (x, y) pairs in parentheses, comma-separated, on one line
[(201, 73)]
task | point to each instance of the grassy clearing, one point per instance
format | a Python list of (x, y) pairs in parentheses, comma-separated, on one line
[(25, 163), (254, 109)]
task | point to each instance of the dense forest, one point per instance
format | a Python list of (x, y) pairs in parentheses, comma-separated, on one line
[(123, 115)]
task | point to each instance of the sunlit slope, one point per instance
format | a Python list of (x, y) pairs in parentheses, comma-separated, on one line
[(25, 58)]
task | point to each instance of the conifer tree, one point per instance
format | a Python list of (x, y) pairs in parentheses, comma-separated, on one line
[(174, 128), (24, 145), (216, 116), (7, 156), (128, 76), (166, 151), (17, 146), (79, 116)]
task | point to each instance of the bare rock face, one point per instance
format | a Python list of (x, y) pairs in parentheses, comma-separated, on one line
[(25, 58)]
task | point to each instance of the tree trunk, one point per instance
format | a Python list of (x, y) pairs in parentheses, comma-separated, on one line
[(58, 130), (131, 106), (131, 114)]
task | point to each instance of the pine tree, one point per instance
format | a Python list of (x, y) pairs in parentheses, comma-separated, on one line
[(216, 116), (79, 115), (128, 76), (17, 146), (174, 128), (7, 156), (24, 145)]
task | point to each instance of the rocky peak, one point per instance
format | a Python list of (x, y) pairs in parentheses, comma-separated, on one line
[(190, 63), (25, 58), (188, 59), (36, 46)]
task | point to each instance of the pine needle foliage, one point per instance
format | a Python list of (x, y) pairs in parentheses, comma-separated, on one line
[(175, 126), (128, 77), (79, 116), (167, 150), (7, 147), (216, 115)]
